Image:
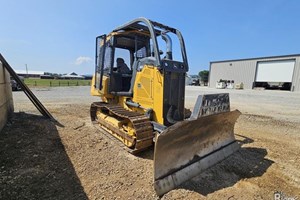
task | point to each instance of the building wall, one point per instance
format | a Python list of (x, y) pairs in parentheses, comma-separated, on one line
[(6, 101), (30, 75), (239, 71), (296, 76), (245, 71)]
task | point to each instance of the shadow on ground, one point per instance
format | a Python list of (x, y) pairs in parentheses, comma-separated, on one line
[(34, 163), (248, 162), (147, 154)]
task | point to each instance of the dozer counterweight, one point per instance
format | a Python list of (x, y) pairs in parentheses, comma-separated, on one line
[(142, 93)]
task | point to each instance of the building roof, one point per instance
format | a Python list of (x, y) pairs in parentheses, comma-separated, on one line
[(29, 72), (257, 58), (71, 75)]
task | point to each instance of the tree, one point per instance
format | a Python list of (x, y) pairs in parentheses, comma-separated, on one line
[(204, 76)]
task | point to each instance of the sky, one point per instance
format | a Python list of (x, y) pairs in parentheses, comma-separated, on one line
[(59, 36)]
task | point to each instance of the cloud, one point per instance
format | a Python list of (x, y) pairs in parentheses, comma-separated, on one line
[(82, 59)]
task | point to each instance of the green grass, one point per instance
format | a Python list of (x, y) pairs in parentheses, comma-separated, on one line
[(32, 82)]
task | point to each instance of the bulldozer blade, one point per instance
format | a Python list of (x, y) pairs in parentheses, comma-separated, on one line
[(187, 148)]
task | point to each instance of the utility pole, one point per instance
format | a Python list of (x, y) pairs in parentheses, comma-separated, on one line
[(26, 70)]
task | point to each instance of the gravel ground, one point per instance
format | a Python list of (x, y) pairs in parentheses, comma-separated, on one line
[(282, 105), (73, 160)]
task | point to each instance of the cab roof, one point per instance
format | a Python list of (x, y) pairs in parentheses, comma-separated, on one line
[(136, 25)]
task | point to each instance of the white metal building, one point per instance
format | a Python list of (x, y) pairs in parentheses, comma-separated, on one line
[(267, 72), (29, 73)]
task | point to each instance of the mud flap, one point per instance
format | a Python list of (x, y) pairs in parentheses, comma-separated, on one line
[(189, 147)]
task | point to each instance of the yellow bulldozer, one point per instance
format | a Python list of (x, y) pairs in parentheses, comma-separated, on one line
[(142, 91)]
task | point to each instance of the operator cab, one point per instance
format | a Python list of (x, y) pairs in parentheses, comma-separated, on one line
[(126, 50), (122, 51)]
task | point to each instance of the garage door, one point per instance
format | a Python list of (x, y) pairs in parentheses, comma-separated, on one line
[(275, 71)]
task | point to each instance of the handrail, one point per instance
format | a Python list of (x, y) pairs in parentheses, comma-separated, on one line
[(151, 25)]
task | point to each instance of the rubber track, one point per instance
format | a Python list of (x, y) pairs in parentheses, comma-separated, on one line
[(141, 123)]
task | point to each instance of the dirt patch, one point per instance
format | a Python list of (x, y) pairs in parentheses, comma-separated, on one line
[(41, 160), (34, 163)]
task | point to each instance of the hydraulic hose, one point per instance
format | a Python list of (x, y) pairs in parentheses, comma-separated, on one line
[(170, 115)]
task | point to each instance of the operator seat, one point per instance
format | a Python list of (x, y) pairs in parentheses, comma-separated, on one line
[(122, 67)]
